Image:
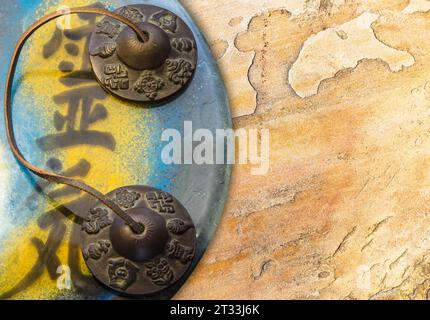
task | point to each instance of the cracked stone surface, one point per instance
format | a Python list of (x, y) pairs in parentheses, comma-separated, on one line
[(344, 211)]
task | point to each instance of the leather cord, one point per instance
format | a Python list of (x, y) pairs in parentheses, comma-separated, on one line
[(53, 177)]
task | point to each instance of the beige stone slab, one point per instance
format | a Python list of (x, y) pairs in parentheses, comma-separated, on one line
[(344, 211)]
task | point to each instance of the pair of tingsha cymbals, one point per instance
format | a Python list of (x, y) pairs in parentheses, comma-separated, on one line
[(142, 70)]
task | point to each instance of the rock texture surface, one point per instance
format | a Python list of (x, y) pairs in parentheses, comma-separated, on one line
[(344, 87)]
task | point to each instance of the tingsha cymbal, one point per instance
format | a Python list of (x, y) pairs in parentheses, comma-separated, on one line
[(139, 263), (143, 70)]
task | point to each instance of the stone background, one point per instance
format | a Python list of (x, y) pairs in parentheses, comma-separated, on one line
[(344, 87)]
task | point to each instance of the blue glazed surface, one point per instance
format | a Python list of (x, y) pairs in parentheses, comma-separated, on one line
[(201, 188)]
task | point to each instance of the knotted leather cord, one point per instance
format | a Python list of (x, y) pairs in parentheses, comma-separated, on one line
[(53, 177)]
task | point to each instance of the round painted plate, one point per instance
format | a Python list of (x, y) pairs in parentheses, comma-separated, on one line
[(65, 122)]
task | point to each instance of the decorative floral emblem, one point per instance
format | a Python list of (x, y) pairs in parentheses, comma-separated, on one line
[(178, 226), (96, 250), (166, 20), (116, 77), (149, 85), (108, 28), (96, 220), (179, 251), (183, 44), (161, 202), (122, 273), (104, 51), (159, 272), (132, 14), (126, 199), (179, 71)]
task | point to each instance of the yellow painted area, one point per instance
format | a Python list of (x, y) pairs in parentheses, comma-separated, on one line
[(109, 170), (20, 256), (4, 185)]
